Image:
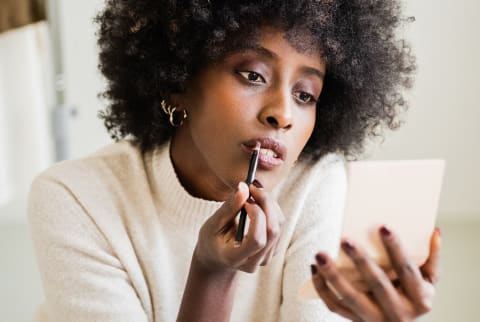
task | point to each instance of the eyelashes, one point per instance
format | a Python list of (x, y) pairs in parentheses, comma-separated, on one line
[(251, 76), (305, 97), (257, 79)]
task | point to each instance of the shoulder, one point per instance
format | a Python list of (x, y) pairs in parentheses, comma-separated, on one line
[(113, 162), (330, 165), (101, 180)]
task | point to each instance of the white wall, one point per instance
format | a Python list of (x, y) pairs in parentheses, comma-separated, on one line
[(83, 82), (20, 287), (25, 145), (457, 292)]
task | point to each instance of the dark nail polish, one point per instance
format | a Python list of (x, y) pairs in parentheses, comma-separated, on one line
[(257, 183), (385, 232), (321, 259), (396, 283), (348, 247), (314, 269), (251, 201)]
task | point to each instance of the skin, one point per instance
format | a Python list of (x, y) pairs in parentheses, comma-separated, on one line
[(266, 91), (405, 300), (224, 104)]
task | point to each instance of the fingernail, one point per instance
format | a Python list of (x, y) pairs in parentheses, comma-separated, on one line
[(321, 259), (314, 269), (239, 186), (348, 247), (396, 282), (257, 183), (385, 232), (439, 232), (251, 201)]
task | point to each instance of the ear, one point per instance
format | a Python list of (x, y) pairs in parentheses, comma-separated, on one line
[(179, 100)]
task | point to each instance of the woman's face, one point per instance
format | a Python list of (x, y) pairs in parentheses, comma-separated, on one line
[(266, 93)]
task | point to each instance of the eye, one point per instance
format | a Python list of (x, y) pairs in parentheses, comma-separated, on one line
[(252, 76), (305, 97)]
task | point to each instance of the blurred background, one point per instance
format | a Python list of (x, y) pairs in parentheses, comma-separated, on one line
[(48, 105)]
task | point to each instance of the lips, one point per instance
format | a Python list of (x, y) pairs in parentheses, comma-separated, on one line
[(272, 152)]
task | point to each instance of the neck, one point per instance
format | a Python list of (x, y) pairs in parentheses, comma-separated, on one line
[(193, 172)]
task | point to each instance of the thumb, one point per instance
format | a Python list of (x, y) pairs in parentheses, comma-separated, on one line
[(431, 268), (230, 208)]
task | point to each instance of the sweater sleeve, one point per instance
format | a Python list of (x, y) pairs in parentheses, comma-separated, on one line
[(82, 278), (318, 229)]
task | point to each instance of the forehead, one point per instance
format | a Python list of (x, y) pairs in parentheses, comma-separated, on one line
[(298, 45), (271, 41)]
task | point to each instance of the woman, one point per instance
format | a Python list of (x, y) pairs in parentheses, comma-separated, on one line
[(143, 230)]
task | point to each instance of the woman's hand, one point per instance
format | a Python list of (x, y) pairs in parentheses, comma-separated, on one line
[(402, 300), (216, 258), (216, 248)]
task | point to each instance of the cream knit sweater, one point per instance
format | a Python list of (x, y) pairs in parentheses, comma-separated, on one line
[(114, 234)]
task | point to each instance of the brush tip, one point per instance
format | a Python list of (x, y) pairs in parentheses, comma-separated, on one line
[(257, 146)]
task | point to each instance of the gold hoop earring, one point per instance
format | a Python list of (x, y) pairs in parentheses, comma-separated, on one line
[(174, 114)]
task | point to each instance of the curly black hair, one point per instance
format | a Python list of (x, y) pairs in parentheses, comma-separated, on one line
[(151, 49)]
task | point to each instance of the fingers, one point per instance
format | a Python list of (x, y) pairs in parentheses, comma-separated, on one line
[(343, 291), (266, 219), (271, 252), (418, 291), (431, 269), (406, 269), (232, 205), (255, 241), (413, 284), (378, 282), (274, 217), (216, 241), (331, 300), (271, 209), (382, 300), (224, 217)]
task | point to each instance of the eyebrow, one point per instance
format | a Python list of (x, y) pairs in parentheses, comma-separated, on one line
[(313, 71), (271, 55)]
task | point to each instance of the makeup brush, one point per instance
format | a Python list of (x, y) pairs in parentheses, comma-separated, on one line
[(250, 177)]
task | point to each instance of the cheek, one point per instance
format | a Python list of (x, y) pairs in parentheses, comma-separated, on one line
[(305, 128), (224, 104)]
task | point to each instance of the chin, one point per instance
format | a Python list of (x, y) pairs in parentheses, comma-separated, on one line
[(269, 180)]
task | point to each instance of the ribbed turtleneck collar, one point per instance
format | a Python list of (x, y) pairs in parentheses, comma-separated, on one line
[(169, 193)]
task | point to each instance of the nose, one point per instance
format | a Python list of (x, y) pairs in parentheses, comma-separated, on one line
[(277, 111)]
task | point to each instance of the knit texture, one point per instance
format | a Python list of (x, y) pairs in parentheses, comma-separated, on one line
[(114, 234)]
